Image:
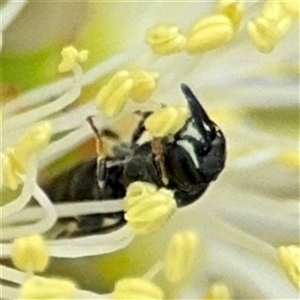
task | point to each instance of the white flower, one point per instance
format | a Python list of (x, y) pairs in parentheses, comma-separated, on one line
[(245, 218)]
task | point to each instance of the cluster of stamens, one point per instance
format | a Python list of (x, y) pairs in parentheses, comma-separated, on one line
[(146, 208)]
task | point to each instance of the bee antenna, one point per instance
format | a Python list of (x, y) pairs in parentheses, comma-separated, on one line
[(198, 113)]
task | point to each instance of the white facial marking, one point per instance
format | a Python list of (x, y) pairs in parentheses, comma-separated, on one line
[(188, 147), (192, 131)]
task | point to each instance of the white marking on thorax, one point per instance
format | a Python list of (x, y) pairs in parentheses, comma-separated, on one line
[(188, 147)]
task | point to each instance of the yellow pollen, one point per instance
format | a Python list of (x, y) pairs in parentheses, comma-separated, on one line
[(265, 34), (34, 141), (47, 288), (113, 97), (14, 160), (143, 85), (267, 30), (166, 121), (289, 257), (233, 9), (290, 158), (12, 170), (147, 208), (180, 255), (30, 253), (218, 290), (292, 7), (136, 288), (165, 39), (70, 58), (210, 33)]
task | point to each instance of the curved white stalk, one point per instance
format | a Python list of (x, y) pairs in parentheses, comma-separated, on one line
[(67, 209), (91, 245), (41, 226), (8, 293), (27, 190), (262, 278), (29, 117), (59, 87), (10, 11)]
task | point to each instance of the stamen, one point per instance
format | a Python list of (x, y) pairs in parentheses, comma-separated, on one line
[(267, 30), (180, 255), (9, 12), (30, 253), (292, 7), (47, 288), (136, 288), (114, 95), (24, 197), (289, 258), (210, 33), (166, 121), (290, 159), (148, 209), (265, 34), (33, 142), (165, 39), (273, 11), (143, 85), (70, 58), (233, 9), (11, 174), (218, 290), (15, 160)]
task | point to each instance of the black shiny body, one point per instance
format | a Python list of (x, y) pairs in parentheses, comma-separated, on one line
[(189, 174)]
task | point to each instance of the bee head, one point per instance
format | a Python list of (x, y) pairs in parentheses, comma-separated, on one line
[(199, 154)]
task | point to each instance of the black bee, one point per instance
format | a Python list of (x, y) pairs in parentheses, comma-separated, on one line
[(185, 163)]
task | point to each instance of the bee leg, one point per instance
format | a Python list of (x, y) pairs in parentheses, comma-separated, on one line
[(101, 155), (101, 172), (157, 150), (140, 129)]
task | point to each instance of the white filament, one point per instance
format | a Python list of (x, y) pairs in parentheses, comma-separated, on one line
[(27, 190), (40, 95), (10, 11), (69, 209)]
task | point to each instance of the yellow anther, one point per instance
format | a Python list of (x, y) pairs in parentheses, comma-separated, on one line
[(233, 9), (148, 209), (292, 7), (15, 160), (165, 39), (273, 11), (289, 257), (266, 33), (47, 288), (136, 288), (70, 58), (180, 255), (218, 290), (267, 30), (114, 95), (12, 170), (279, 17), (30, 253), (143, 85), (34, 141), (290, 158), (210, 33), (166, 121)]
